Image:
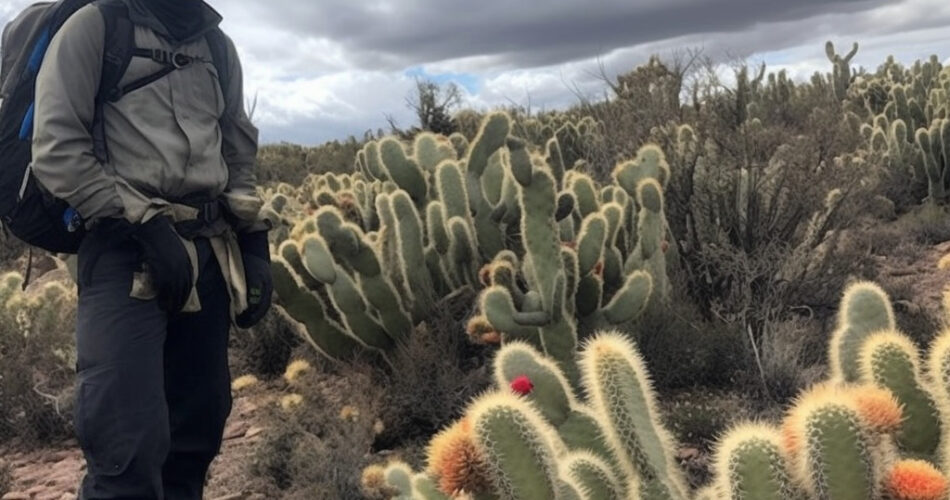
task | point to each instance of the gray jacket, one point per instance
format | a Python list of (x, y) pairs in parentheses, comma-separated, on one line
[(173, 139)]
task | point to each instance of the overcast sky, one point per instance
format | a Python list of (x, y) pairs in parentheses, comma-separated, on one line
[(325, 69)]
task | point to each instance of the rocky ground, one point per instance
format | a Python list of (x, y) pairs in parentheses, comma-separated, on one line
[(54, 473)]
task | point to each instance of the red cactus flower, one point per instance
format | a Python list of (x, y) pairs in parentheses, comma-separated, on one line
[(522, 385)]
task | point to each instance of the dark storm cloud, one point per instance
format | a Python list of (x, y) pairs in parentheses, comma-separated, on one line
[(398, 33)]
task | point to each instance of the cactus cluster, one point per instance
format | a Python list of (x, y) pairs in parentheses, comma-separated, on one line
[(874, 430), (902, 114), (39, 310), (544, 441), (362, 258)]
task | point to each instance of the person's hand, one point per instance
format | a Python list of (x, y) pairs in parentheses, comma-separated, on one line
[(255, 253), (169, 265)]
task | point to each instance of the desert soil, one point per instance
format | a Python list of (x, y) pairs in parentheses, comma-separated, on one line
[(54, 473)]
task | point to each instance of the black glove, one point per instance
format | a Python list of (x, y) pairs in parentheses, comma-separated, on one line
[(168, 262), (169, 265), (255, 253)]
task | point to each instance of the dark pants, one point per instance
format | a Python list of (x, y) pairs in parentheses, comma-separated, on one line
[(154, 389)]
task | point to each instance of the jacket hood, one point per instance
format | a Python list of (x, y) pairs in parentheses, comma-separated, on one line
[(188, 28)]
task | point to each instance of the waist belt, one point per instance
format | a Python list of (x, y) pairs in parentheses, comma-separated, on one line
[(196, 220)]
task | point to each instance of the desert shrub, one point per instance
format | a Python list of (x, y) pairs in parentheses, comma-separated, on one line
[(291, 163), (467, 122), (686, 351), (788, 357), (349, 412), (433, 376), (321, 428), (927, 224), (265, 349), (759, 209), (36, 346), (10, 248), (921, 324)]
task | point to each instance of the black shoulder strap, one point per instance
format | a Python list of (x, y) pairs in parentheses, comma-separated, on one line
[(119, 51), (119, 48), (218, 44)]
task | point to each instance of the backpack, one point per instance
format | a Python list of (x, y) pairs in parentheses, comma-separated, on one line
[(27, 210)]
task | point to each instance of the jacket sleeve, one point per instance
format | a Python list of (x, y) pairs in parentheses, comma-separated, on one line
[(66, 88), (239, 148)]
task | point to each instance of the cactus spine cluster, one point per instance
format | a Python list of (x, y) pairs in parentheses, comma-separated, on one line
[(751, 463)]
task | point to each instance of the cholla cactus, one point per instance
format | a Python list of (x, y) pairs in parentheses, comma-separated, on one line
[(592, 475), (865, 310), (830, 448), (622, 395), (366, 256), (518, 446), (751, 463), (890, 360), (840, 440)]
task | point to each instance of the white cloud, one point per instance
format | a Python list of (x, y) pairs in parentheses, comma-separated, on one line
[(333, 68)]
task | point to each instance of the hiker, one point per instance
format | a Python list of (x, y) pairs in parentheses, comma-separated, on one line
[(173, 251)]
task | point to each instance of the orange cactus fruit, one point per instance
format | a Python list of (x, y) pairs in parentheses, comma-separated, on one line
[(479, 330), (791, 441), (454, 459), (916, 480), (878, 408)]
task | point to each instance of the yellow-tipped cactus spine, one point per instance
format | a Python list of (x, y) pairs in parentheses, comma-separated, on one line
[(520, 449), (620, 391), (891, 360), (751, 464), (829, 446), (592, 476), (865, 310)]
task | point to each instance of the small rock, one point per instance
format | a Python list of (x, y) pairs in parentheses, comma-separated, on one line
[(59, 456), (236, 430), (233, 496)]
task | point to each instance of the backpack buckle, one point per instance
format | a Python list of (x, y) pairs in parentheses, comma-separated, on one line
[(176, 60), (209, 212), (180, 60)]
